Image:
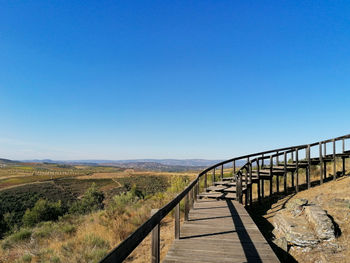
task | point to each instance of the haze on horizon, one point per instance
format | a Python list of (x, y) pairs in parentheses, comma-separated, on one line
[(164, 79)]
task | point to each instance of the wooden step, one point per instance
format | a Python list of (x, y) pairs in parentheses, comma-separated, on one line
[(228, 178), (267, 171), (290, 167), (214, 188), (230, 190), (222, 183), (215, 195)]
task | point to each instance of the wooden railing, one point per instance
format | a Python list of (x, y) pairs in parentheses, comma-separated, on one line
[(244, 179)]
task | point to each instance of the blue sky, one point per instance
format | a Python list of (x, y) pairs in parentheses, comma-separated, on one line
[(170, 79)]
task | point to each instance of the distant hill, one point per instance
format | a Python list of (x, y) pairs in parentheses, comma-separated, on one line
[(154, 166), (7, 161), (181, 162), (171, 165), (171, 162)]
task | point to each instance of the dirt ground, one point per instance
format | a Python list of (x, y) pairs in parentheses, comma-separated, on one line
[(334, 198)]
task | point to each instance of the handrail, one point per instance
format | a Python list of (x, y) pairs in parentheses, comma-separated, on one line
[(124, 249)]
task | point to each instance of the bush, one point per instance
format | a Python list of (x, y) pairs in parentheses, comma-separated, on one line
[(43, 210), (27, 258), (91, 201), (21, 235), (177, 184)]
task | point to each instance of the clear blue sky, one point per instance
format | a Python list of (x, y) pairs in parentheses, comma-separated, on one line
[(170, 79)]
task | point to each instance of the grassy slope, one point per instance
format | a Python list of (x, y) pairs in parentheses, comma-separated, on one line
[(86, 238), (326, 196)]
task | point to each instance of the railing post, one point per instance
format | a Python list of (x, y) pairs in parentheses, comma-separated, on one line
[(213, 176), (205, 181), (258, 186), (308, 167), (155, 256), (277, 177), (321, 163), (262, 181), (271, 176), (297, 170), (262, 161), (177, 221), (239, 187), (251, 184), (285, 172), (246, 187), (195, 192), (343, 158), (187, 207), (234, 168), (277, 159), (334, 161), (222, 172), (190, 198)]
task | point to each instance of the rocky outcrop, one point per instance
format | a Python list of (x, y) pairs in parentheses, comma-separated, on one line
[(322, 224), (302, 225), (294, 231)]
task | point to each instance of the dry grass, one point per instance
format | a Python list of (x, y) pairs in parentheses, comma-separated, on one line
[(143, 252), (333, 197), (92, 236)]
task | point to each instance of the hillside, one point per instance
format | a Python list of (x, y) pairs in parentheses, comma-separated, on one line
[(7, 161), (331, 203)]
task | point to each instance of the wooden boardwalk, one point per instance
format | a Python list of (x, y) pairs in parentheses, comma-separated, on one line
[(219, 231)]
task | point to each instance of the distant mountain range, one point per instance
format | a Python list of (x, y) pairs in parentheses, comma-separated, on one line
[(7, 161), (167, 162), (171, 165)]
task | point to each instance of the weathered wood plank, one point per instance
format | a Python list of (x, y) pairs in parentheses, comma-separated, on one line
[(220, 231)]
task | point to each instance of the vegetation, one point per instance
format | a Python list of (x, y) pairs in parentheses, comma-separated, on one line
[(91, 201), (76, 218), (43, 210)]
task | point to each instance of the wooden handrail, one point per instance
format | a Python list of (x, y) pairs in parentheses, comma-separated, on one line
[(124, 249)]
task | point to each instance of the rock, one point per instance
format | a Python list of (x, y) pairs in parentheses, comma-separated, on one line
[(322, 224), (281, 243), (295, 231), (296, 206), (296, 202), (340, 203)]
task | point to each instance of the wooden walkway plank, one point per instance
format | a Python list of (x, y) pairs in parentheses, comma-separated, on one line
[(220, 231)]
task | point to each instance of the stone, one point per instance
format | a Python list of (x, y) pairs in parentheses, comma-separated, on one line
[(296, 232), (296, 206), (322, 224), (340, 203), (291, 204), (281, 243)]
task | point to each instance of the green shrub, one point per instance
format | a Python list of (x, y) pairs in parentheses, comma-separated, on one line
[(177, 184), (119, 203), (91, 201), (21, 235), (94, 241), (96, 248), (44, 229), (55, 259), (43, 210), (27, 258), (68, 229)]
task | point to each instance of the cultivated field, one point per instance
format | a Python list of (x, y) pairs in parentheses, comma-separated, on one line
[(63, 213)]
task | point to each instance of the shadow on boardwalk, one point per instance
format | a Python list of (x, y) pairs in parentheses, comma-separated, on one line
[(219, 231), (249, 248)]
